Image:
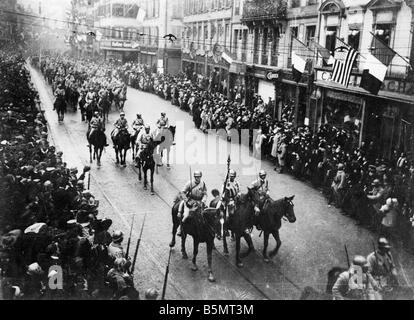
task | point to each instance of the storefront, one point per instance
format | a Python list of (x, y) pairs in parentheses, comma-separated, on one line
[(118, 50), (386, 119)]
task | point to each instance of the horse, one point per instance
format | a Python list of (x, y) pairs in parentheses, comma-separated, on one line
[(89, 111), (134, 146), (167, 134), (104, 106), (270, 221), (239, 222), (145, 161), (202, 225), (122, 142), (98, 140), (60, 107)]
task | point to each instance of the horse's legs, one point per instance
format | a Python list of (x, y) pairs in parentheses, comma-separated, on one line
[(266, 243), (195, 253), (225, 247), (174, 233), (278, 243), (249, 242), (145, 178), (210, 245), (90, 152), (152, 180), (183, 238), (238, 260), (117, 156), (123, 157), (139, 170)]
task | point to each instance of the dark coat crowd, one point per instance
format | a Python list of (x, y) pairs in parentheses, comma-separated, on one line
[(53, 245), (377, 192)]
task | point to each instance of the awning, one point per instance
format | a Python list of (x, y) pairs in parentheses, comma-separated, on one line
[(359, 91)]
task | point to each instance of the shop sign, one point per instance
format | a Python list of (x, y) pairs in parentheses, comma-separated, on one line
[(272, 75), (117, 44)]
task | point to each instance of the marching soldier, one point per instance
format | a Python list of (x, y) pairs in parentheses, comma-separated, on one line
[(382, 267), (121, 281), (356, 283), (115, 249), (196, 194)]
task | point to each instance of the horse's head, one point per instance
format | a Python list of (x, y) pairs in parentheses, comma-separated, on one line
[(288, 211), (212, 218)]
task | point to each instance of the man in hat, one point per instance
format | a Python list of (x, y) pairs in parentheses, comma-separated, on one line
[(356, 283), (381, 266), (376, 200), (120, 124)]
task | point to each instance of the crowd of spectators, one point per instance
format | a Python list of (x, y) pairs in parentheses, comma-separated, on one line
[(376, 192), (53, 245)]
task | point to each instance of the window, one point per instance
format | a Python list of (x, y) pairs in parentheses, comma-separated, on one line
[(117, 10), (295, 4), (131, 11), (330, 38), (237, 7), (310, 34), (383, 32), (354, 36), (311, 2)]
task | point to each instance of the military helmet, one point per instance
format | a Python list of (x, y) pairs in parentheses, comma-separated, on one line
[(151, 294), (262, 174), (198, 174), (147, 127), (359, 261), (117, 236), (96, 113), (232, 173), (383, 243), (122, 114), (119, 263)]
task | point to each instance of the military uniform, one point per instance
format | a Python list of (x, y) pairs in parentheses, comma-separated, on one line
[(119, 125), (382, 268), (233, 189), (195, 193), (115, 251)]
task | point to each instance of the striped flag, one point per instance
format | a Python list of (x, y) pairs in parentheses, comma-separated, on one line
[(373, 75), (342, 69)]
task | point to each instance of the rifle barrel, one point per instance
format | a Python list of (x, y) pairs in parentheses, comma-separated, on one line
[(129, 239), (167, 270), (138, 243), (347, 256)]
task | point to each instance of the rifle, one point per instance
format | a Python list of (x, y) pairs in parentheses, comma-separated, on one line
[(129, 239), (347, 256), (137, 247), (89, 180), (224, 189), (167, 270)]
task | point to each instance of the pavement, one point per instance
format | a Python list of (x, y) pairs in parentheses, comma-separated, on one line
[(310, 247)]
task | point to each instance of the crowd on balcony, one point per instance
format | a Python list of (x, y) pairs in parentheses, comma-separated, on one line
[(378, 193), (53, 243)]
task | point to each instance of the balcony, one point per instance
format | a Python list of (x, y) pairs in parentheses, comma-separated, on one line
[(273, 11)]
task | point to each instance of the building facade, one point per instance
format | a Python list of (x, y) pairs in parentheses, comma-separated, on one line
[(162, 18), (207, 40), (8, 21)]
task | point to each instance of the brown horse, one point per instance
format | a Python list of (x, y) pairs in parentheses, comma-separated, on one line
[(202, 225)]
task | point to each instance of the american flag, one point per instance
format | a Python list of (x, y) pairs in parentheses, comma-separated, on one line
[(342, 69)]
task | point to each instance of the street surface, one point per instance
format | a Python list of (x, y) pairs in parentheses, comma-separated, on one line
[(310, 247)]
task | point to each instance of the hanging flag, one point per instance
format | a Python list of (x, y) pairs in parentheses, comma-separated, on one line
[(342, 69), (373, 75), (382, 51), (298, 66), (304, 52), (99, 35), (226, 57), (326, 55), (141, 15)]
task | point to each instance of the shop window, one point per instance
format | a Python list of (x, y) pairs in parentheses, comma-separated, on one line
[(330, 38), (354, 36)]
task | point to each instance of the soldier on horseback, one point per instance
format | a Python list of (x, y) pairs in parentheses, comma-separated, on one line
[(96, 124), (138, 124), (163, 121), (233, 191), (195, 192), (120, 124), (261, 188), (382, 267), (357, 283)]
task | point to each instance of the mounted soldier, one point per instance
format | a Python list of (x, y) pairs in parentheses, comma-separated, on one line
[(357, 283), (163, 122), (232, 191), (138, 124), (260, 187), (195, 192), (120, 124), (143, 139), (382, 267)]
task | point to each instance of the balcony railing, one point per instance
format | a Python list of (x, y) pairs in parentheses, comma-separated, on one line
[(264, 10)]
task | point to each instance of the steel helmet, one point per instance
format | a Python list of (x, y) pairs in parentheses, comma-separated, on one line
[(117, 236), (122, 114), (151, 294), (359, 261), (232, 173), (147, 127), (119, 263), (262, 174), (383, 243), (198, 174), (96, 113)]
